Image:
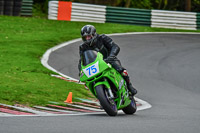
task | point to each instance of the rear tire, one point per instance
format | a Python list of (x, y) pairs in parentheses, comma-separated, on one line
[(131, 108), (108, 105)]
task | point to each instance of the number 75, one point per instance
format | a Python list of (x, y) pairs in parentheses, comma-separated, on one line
[(91, 69)]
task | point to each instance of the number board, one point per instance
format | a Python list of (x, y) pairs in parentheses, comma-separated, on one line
[(92, 70)]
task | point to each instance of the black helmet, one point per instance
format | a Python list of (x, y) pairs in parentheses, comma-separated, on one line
[(88, 33)]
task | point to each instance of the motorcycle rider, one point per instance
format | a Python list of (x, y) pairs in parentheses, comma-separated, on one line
[(106, 46)]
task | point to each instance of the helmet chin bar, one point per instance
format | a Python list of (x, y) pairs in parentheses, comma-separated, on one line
[(84, 37), (91, 42)]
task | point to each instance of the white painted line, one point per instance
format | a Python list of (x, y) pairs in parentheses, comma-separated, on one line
[(27, 109), (45, 57), (140, 33), (51, 109), (75, 114), (83, 107), (144, 106), (67, 79), (89, 101), (4, 114)]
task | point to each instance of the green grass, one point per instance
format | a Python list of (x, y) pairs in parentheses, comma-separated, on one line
[(23, 41)]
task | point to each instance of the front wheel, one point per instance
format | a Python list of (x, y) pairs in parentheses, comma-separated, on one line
[(106, 102), (131, 108)]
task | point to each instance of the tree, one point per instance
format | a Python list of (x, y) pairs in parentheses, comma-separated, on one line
[(188, 5), (128, 3), (175, 5)]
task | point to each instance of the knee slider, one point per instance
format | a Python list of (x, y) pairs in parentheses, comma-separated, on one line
[(124, 72)]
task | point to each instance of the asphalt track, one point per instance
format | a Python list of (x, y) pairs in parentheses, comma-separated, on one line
[(164, 68)]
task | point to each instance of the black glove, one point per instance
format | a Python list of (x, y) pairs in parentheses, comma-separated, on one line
[(110, 59)]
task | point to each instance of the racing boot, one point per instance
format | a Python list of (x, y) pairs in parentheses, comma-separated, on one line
[(129, 85), (131, 89)]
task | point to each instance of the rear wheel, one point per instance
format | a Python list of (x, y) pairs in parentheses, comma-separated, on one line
[(131, 108), (106, 102)]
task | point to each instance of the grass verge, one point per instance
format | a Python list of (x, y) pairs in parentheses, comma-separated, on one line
[(23, 41)]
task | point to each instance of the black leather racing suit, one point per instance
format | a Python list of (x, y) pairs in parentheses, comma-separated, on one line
[(107, 47)]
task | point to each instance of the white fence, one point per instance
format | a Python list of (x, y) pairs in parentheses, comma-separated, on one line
[(173, 19), (88, 13), (53, 10), (80, 12), (97, 13)]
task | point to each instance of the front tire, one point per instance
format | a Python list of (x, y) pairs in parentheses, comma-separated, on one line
[(108, 104), (131, 108)]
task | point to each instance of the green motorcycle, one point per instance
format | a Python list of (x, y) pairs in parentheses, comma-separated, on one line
[(106, 84)]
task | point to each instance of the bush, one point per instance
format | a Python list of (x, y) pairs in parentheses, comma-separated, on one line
[(40, 8)]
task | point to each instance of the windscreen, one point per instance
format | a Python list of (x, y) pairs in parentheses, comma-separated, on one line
[(89, 56)]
